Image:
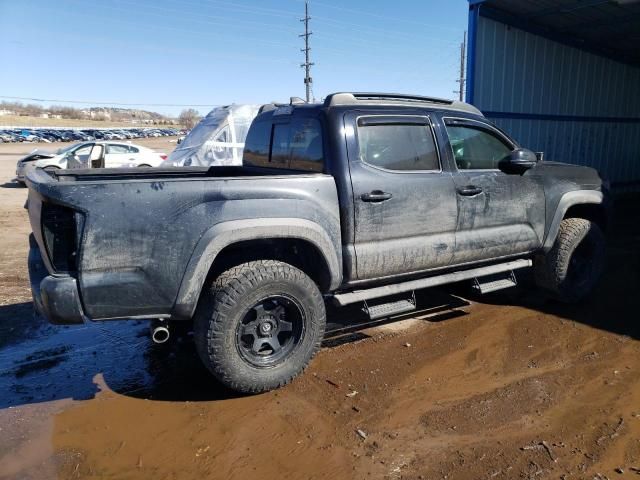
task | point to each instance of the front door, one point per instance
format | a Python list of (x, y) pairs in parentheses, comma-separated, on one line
[(96, 159), (79, 158), (404, 204), (499, 214)]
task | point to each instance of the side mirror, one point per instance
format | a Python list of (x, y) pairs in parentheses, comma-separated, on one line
[(518, 161)]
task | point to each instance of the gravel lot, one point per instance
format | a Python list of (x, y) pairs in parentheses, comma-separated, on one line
[(510, 385)]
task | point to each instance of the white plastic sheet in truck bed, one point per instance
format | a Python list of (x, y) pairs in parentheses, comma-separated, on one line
[(217, 140)]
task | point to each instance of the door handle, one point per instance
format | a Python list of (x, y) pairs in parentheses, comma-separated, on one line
[(376, 196), (469, 190)]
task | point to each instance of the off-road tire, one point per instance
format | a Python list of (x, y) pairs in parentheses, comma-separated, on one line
[(558, 272), (226, 302)]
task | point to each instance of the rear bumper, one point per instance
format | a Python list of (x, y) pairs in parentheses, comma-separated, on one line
[(54, 297)]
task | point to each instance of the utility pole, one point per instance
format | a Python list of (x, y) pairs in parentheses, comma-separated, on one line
[(462, 79), (308, 81)]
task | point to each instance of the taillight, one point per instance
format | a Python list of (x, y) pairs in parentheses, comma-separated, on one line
[(163, 156), (59, 233)]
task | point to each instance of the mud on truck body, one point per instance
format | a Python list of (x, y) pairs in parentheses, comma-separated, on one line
[(363, 197)]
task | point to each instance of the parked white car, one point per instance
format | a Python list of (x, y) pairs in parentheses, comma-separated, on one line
[(117, 155)]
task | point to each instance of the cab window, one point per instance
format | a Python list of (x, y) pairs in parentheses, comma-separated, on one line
[(397, 144), (256, 147), (476, 147), (305, 144), (296, 144)]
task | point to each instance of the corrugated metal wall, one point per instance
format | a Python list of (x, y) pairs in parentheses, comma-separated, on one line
[(519, 74)]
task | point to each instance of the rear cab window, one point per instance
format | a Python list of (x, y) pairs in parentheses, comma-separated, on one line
[(258, 143), (291, 142)]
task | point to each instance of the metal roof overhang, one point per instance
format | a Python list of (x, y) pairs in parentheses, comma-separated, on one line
[(610, 28)]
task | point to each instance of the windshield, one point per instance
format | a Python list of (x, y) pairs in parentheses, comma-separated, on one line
[(68, 148)]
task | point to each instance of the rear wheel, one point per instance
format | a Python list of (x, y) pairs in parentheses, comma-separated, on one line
[(574, 264), (144, 165), (259, 324)]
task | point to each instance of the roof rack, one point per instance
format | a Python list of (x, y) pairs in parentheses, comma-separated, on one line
[(364, 98), (351, 98), (267, 107)]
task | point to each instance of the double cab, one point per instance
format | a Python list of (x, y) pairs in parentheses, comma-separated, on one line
[(361, 199)]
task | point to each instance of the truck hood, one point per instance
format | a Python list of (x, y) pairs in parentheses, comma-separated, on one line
[(586, 176)]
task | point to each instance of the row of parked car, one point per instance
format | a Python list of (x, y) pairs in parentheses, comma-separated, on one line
[(85, 135)]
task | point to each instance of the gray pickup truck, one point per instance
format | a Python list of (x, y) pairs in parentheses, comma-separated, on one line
[(364, 199)]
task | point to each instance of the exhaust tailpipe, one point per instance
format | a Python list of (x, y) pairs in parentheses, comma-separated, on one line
[(160, 331)]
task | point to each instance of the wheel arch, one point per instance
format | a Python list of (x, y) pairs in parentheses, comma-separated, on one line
[(587, 204), (300, 242)]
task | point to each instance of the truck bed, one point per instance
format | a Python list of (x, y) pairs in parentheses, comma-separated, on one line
[(130, 237)]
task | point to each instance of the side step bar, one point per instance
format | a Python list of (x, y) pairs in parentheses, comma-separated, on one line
[(377, 292), (389, 309), (493, 283)]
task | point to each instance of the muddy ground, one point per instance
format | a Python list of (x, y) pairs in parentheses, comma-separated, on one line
[(506, 386)]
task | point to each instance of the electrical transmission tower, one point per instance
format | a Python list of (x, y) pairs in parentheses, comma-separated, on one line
[(462, 79), (308, 81)]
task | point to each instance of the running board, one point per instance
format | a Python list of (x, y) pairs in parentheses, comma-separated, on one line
[(389, 309), (377, 292), (493, 283)]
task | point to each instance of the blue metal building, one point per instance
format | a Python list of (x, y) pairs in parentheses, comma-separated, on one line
[(563, 77)]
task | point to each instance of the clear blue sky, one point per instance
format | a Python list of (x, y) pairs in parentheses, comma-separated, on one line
[(222, 51)]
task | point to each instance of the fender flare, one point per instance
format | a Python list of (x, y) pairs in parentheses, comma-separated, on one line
[(223, 234), (568, 200)]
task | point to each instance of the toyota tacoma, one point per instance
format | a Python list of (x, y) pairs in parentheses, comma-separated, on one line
[(361, 199)]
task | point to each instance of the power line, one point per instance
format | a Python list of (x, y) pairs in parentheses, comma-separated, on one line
[(91, 102), (251, 9), (380, 16), (378, 46), (338, 24), (308, 81), (375, 31), (331, 36), (172, 14), (210, 32)]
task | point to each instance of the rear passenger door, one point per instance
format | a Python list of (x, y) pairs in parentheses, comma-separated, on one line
[(405, 205), (499, 214), (117, 155)]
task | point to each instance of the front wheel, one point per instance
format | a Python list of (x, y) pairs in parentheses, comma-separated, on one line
[(573, 266), (259, 324)]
